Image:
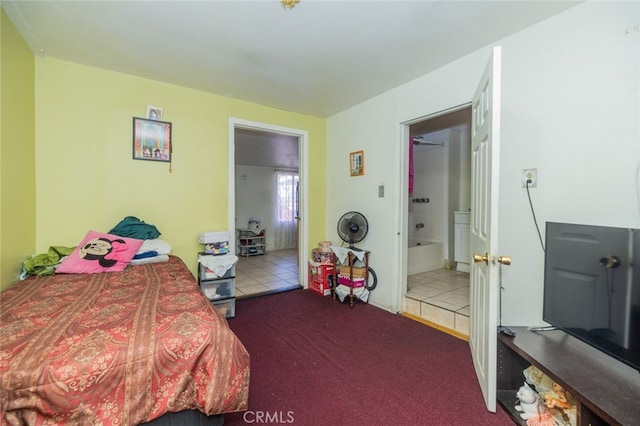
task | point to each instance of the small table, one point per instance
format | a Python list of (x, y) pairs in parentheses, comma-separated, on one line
[(349, 256)]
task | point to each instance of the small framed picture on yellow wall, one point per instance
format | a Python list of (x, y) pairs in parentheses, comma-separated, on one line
[(151, 140), (356, 163), (154, 113)]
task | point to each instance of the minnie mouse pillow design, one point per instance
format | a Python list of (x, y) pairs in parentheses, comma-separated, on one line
[(99, 252)]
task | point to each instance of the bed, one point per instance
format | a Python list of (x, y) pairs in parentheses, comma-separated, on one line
[(117, 348)]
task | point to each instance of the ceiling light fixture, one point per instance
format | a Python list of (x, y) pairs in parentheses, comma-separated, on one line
[(289, 4)]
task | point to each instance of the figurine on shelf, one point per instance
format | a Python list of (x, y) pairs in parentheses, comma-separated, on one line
[(254, 225), (557, 398), (528, 403)]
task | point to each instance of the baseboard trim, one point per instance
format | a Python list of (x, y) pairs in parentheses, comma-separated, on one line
[(436, 326)]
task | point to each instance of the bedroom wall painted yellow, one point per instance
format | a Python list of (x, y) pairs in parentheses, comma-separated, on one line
[(87, 180), (17, 152)]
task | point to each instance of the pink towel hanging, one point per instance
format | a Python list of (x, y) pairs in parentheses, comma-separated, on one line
[(410, 164)]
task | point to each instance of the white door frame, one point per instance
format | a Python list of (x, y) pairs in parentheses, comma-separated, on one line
[(303, 137)]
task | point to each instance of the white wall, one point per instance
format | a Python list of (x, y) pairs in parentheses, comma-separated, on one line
[(459, 143), (442, 174), (570, 108), (255, 195), (429, 182)]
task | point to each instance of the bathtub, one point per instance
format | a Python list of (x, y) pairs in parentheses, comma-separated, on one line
[(424, 255)]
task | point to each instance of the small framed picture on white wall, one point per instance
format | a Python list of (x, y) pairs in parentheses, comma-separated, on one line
[(356, 163)]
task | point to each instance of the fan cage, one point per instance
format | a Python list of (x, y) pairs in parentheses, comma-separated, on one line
[(352, 227)]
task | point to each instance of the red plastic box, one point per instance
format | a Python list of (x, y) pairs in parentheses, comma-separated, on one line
[(319, 276)]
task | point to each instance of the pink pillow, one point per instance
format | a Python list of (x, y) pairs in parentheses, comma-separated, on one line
[(99, 252)]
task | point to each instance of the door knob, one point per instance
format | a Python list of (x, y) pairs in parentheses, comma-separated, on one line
[(505, 260), (481, 258)]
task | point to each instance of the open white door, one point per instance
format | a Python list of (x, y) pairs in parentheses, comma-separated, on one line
[(485, 161)]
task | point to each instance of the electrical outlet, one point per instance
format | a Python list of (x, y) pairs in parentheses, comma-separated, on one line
[(531, 175)]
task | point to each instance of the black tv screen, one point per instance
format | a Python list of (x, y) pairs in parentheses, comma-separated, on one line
[(591, 289)]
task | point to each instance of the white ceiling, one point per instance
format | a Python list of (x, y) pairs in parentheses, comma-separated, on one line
[(265, 149), (319, 58)]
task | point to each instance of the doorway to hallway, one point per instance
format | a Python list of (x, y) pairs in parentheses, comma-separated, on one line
[(257, 150)]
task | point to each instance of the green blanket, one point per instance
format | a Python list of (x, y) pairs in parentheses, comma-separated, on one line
[(133, 227), (45, 263)]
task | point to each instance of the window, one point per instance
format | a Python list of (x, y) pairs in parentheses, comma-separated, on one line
[(287, 210)]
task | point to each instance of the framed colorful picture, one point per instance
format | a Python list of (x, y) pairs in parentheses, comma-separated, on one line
[(151, 140), (356, 163)]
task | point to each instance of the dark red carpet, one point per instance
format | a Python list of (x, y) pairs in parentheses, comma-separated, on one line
[(319, 362)]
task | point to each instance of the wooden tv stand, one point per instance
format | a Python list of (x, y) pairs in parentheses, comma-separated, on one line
[(606, 390)]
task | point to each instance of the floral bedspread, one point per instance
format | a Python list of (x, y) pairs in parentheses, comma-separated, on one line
[(117, 348)]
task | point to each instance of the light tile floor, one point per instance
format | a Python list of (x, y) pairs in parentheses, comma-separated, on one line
[(267, 273), (441, 297)]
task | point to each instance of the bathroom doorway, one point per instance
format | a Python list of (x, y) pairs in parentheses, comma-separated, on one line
[(437, 287), (442, 177)]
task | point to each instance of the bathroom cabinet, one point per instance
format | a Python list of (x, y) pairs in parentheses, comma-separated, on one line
[(461, 248)]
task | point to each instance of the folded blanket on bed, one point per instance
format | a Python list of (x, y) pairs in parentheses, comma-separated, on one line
[(153, 259), (142, 255)]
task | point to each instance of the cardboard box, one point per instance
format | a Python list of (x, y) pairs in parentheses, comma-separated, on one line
[(322, 257), (344, 280), (320, 276), (325, 246), (358, 271)]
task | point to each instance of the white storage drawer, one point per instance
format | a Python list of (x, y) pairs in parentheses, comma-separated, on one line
[(213, 237), (227, 307), (219, 289), (208, 274)]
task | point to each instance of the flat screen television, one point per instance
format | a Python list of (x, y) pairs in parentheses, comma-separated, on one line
[(592, 286)]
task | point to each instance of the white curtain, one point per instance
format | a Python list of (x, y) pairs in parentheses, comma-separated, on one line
[(286, 236)]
